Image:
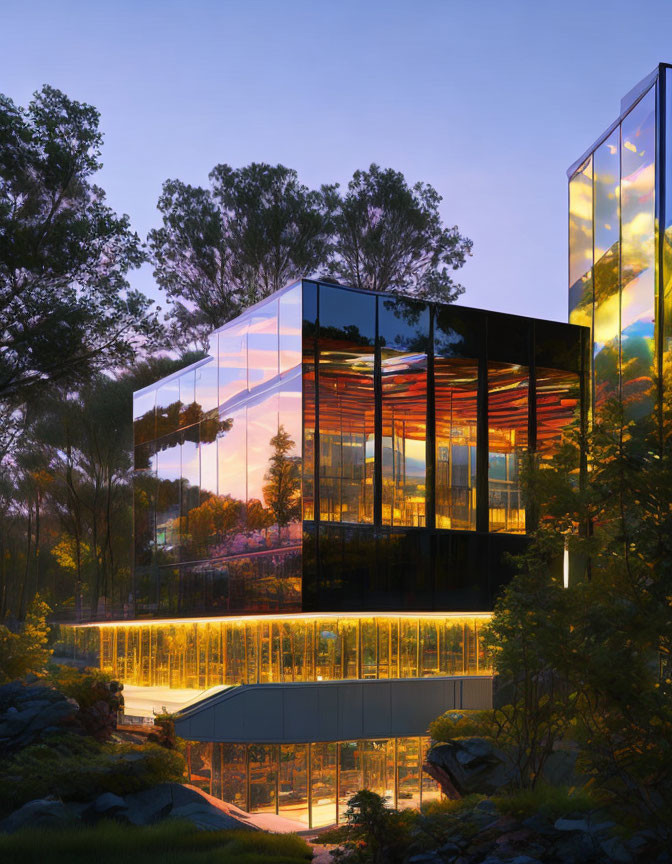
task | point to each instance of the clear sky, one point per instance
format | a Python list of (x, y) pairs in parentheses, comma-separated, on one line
[(487, 100)]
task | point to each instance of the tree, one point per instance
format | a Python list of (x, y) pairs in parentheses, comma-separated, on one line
[(66, 309), (224, 248), (25, 651), (282, 489), (390, 237)]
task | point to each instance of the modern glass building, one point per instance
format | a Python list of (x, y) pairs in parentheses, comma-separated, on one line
[(324, 508), (620, 249)]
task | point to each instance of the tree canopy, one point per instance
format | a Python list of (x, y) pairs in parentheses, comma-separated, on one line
[(66, 308)]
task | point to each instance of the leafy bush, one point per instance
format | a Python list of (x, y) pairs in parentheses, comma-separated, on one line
[(553, 802), (169, 842), (78, 768), (451, 806), (373, 833), (26, 651)]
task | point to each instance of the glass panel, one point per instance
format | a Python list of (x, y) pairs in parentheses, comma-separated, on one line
[(190, 485), (378, 768), (167, 407), (263, 446), (404, 337), (606, 340), (290, 328), (638, 146), (206, 387), (667, 261), (144, 503), (408, 772), (263, 768), (323, 783), (431, 791), (581, 245), (283, 483), (144, 417), (456, 386), (350, 779), (199, 764), (234, 774), (293, 783), (346, 421), (507, 445), (189, 412), (558, 408), (232, 361), (169, 481), (262, 344)]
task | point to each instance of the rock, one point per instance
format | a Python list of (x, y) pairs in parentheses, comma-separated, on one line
[(29, 713), (472, 765), (524, 859), (616, 851), (426, 858), (109, 801), (538, 824), (571, 825), (559, 768), (41, 813), (487, 805), (207, 817)]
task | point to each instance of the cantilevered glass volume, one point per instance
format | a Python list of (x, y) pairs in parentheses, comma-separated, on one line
[(324, 508)]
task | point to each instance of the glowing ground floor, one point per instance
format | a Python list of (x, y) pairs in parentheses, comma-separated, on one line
[(201, 653), (312, 782)]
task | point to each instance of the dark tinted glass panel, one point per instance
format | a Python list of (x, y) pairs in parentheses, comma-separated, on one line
[(558, 409), (581, 245), (404, 338), (456, 393), (607, 261), (290, 328), (143, 417), (638, 147), (308, 489), (190, 486), (144, 502), (346, 420), (507, 445), (232, 361), (667, 257)]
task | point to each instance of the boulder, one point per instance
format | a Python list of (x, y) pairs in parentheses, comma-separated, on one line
[(207, 817), (472, 765), (41, 813), (31, 712)]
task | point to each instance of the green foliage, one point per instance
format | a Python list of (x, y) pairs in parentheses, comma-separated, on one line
[(86, 686), (66, 308), (389, 236), (221, 249), (374, 833), (78, 768), (25, 651), (552, 802), (451, 806), (168, 842), (282, 487)]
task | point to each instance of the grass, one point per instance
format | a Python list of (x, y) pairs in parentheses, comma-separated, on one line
[(553, 802), (169, 842)]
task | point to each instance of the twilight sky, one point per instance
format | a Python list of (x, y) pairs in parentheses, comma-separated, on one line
[(487, 100)]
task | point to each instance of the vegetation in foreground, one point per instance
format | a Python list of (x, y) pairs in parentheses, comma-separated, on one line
[(170, 842)]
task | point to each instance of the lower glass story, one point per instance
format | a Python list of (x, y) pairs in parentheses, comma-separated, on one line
[(312, 783), (203, 653)]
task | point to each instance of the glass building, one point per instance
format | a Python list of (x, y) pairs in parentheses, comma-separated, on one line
[(323, 512), (620, 250)]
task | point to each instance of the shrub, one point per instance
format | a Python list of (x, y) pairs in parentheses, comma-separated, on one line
[(78, 768), (552, 802), (26, 651)]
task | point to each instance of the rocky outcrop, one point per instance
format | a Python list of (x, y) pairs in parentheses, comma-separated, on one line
[(164, 801), (28, 713), (468, 765)]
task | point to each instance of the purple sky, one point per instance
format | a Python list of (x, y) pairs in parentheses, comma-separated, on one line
[(487, 100)]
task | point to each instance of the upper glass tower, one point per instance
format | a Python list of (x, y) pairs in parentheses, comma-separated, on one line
[(620, 264)]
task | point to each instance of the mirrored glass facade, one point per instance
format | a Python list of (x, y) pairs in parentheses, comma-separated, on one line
[(312, 782), (617, 198), (339, 450)]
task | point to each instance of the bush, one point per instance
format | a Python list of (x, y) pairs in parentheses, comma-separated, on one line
[(25, 652), (169, 842), (373, 832), (553, 802), (77, 768), (98, 695)]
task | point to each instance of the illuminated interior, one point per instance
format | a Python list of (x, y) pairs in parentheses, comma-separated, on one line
[(312, 782), (198, 654)]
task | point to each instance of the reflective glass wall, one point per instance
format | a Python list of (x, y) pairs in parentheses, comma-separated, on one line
[(612, 258), (218, 472), (312, 783)]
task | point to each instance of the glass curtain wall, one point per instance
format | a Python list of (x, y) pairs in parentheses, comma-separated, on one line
[(581, 246), (508, 387), (217, 487), (201, 654), (312, 783)]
